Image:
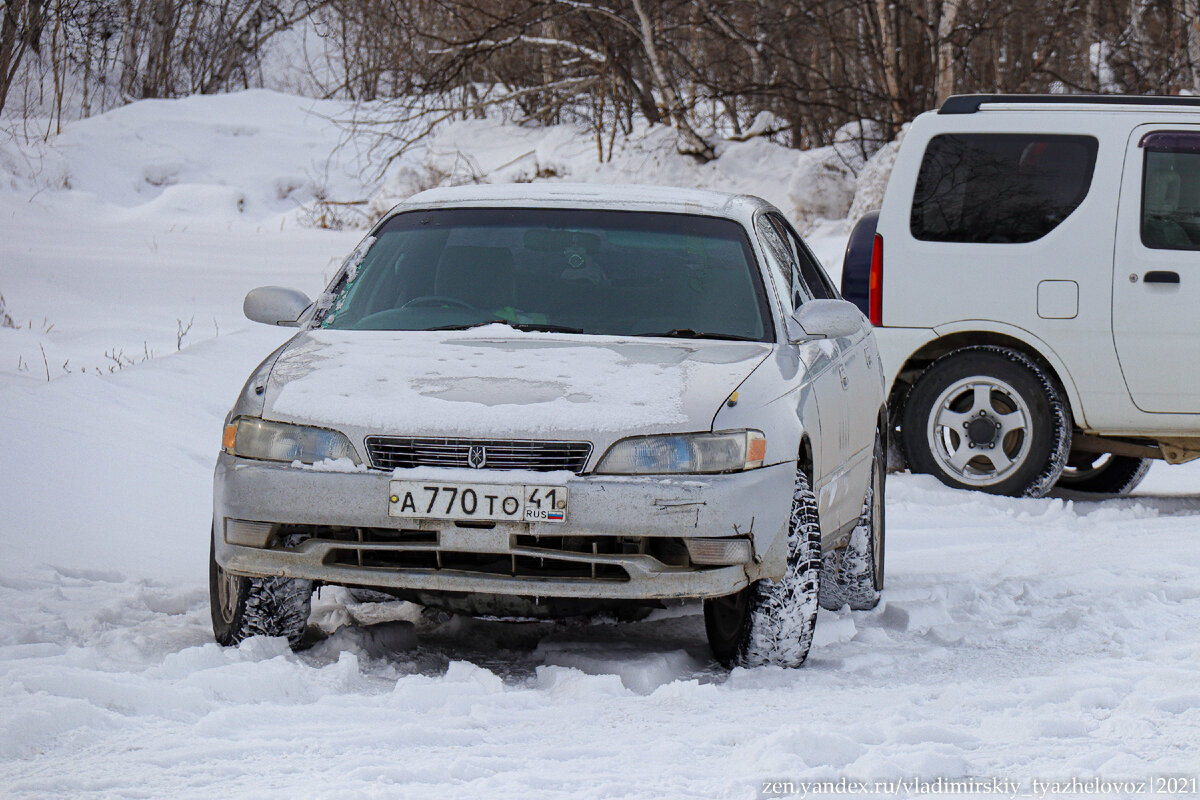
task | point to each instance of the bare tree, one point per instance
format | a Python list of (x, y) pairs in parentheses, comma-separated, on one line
[(21, 24), (795, 70)]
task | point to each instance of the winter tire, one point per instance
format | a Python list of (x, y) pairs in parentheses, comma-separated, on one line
[(771, 622), (988, 418), (244, 607), (853, 575), (1103, 473)]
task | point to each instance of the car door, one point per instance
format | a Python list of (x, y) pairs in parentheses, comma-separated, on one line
[(1156, 273), (823, 369), (860, 378)]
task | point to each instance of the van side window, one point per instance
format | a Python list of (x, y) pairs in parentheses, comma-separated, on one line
[(1171, 190), (999, 187)]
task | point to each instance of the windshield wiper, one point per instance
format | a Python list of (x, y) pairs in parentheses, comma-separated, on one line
[(540, 327), (544, 327), (688, 333), (465, 327)]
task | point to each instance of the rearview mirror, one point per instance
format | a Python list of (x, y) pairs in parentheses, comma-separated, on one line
[(275, 305), (825, 319)]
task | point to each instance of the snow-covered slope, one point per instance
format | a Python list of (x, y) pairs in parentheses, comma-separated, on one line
[(808, 186), (253, 156), (1018, 639), (97, 293)]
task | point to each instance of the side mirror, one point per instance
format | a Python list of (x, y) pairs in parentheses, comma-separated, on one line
[(275, 305), (825, 319)]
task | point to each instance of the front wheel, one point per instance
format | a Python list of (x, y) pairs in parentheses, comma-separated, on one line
[(772, 622), (244, 607), (988, 418)]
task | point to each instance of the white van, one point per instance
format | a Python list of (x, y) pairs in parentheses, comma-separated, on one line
[(1034, 276)]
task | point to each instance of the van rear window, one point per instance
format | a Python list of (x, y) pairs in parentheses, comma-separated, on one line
[(1000, 188)]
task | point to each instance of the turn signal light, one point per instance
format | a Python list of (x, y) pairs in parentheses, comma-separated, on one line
[(248, 534), (756, 451), (229, 437)]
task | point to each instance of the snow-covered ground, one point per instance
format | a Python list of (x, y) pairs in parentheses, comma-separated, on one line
[(1018, 639)]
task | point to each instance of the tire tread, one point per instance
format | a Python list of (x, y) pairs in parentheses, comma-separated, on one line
[(783, 613)]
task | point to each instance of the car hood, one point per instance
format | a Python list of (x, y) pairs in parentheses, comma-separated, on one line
[(494, 382)]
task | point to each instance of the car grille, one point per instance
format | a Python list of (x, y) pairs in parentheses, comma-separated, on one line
[(404, 452), (534, 556), (515, 566)]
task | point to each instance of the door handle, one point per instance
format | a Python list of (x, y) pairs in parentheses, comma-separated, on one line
[(1161, 276)]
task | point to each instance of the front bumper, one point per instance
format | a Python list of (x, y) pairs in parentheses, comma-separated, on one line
[(753, 504)]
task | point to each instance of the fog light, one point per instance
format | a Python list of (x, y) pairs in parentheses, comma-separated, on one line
[(247, 534), (719, 551)]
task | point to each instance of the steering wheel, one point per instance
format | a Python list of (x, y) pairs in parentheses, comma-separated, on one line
[(434, 300)]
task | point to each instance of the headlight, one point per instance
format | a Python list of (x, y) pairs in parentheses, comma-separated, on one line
[(250, 437), (729, 451)]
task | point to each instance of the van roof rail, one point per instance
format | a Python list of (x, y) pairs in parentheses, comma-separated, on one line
[(970, 103)]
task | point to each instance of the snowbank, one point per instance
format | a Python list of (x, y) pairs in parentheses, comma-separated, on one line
[(98, 291), (484, 151), (263, 158), (255, 156), (809, 186), (872, 179)]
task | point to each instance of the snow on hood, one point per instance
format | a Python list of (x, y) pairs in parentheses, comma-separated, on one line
[(494, 381)]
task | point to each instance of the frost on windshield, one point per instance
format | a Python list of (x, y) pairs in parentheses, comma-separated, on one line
[(323, 303), (355, 259)]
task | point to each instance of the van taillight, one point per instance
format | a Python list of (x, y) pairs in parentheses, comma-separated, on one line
[(875, 284)]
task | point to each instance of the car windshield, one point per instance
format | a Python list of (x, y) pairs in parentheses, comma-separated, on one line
[(620, 273)]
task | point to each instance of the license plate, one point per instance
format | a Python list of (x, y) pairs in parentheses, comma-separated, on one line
[(478, 502)]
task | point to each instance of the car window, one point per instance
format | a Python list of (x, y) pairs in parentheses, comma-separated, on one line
[(1171, 190), (1000, 188), (812, 275), (779, 259), (578, 271), (775, 234)]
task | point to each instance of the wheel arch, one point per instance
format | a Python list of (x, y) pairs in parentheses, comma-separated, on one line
[(804, 457), (947, 343)]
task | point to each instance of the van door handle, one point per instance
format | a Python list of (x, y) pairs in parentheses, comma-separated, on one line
[(1161, 276)]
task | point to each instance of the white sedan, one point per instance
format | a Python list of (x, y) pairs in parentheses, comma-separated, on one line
[(551, 400)]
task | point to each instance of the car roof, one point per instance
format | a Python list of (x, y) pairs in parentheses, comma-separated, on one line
[(555, 194)]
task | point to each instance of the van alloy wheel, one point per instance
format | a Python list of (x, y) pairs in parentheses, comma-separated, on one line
[(988, 418), (978, 432)]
